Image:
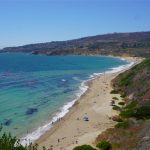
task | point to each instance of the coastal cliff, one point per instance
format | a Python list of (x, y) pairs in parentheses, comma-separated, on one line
[(132, 132)]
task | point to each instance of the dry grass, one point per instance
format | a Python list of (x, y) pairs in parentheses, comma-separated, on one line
[(121, 139)]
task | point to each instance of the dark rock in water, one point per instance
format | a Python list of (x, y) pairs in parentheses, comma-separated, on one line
[(7, 122), (31, 111)]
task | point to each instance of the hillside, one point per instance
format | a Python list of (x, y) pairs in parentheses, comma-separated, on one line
[(133, 44), (135, 82), (132, 132)]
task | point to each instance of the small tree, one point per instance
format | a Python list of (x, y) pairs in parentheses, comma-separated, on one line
[(8, 142)]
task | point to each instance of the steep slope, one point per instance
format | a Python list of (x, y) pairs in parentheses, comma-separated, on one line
[(135, 82), (132, 132)]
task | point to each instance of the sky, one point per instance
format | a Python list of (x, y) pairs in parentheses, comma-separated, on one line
[(36, 21)]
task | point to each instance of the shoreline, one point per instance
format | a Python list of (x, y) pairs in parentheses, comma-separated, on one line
[(71, 130), (70, 120), (69, 109)]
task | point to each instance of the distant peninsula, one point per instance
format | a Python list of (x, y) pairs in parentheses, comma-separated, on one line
[(117, 44)]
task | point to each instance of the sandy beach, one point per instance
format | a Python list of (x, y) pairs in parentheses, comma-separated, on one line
[(72, 130)]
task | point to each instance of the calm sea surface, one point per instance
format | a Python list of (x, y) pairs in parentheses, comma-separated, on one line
[(33, 89)]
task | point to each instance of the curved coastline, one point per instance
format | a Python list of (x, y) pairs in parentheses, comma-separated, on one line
[(35, 135)]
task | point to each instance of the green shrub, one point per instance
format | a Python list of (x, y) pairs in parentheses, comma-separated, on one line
[(132, 105), (121, 103), (124, 125), (133, 110), (129, 110), (8, 142), (114, 92), (116, 108), (104, 145), (115, 98), (84, 147), (128, 113), (143, 112), (125, 99), (123, 95)]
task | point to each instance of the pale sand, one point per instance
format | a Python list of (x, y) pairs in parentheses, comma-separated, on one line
[(72, 130)]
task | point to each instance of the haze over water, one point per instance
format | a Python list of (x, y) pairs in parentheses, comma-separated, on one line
[(33, 89)]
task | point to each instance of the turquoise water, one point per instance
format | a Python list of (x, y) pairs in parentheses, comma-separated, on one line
[(34, 88)]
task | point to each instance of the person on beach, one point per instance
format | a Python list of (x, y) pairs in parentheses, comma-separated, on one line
[(58, 140), (76, 141)]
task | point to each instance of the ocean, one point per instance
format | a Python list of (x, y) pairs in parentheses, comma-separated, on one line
[(36, 90)]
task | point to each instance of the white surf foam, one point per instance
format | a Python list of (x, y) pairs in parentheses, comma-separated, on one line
[(114, 69), (120, 68), (63, 80)]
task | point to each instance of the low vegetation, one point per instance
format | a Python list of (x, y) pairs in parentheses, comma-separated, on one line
[(116, 108), (142, 112), (8, 142), (84, 147), (104, 145), (121, 103), (123, 95), (124, 124), (129, 110), (138, 112), (115, 98), (114, 92)]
